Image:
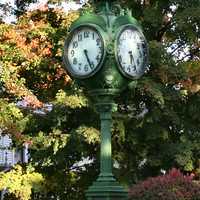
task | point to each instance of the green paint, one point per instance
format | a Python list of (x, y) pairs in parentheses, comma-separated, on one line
[(103, 86), (106, 187), (106, 162)]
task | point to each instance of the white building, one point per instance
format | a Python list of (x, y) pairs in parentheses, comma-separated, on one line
[(9, 156)]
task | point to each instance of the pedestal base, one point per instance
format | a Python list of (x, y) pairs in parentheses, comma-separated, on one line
[(106, 188)]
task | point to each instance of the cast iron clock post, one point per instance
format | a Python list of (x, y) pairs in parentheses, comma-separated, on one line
[(104, 52)]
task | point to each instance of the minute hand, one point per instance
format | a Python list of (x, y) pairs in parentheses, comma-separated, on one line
[(88, 60), (132, 59)]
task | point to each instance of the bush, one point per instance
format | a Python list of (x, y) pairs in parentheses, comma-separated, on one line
[(21, 182), (10, 197), (172, 186)]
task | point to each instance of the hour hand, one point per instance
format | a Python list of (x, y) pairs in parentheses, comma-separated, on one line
[(87, 57), (131, 57)]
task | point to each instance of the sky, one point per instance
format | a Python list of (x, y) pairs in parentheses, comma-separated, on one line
[(10, 18)]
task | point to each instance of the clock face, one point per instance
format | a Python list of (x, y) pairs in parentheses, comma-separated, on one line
[(131, 52), (84, 51)]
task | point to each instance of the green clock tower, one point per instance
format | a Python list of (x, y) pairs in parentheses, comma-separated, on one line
[(105, 51)]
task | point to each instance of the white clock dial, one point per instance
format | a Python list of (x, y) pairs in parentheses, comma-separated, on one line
[(132, 52), (84, 51)]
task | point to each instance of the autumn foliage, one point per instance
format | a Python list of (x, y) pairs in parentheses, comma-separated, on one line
[(31, 46), (172, 186)]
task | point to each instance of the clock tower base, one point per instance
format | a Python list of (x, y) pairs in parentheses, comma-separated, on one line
[(106, 188)]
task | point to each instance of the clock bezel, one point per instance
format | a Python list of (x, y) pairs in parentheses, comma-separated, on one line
[(67, 64), (145, 67)]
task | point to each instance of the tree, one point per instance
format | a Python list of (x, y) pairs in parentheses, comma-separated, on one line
[(21, 183), (167, 135), (157, 123)]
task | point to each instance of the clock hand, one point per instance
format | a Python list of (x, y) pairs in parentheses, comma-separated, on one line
[(88, 60), (131, 56), (132, 60)]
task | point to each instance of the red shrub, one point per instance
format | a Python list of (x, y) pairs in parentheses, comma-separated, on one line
[(172, 186)]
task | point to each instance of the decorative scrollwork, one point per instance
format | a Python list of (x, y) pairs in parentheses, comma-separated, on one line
[(117, 10), (110, 49)]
